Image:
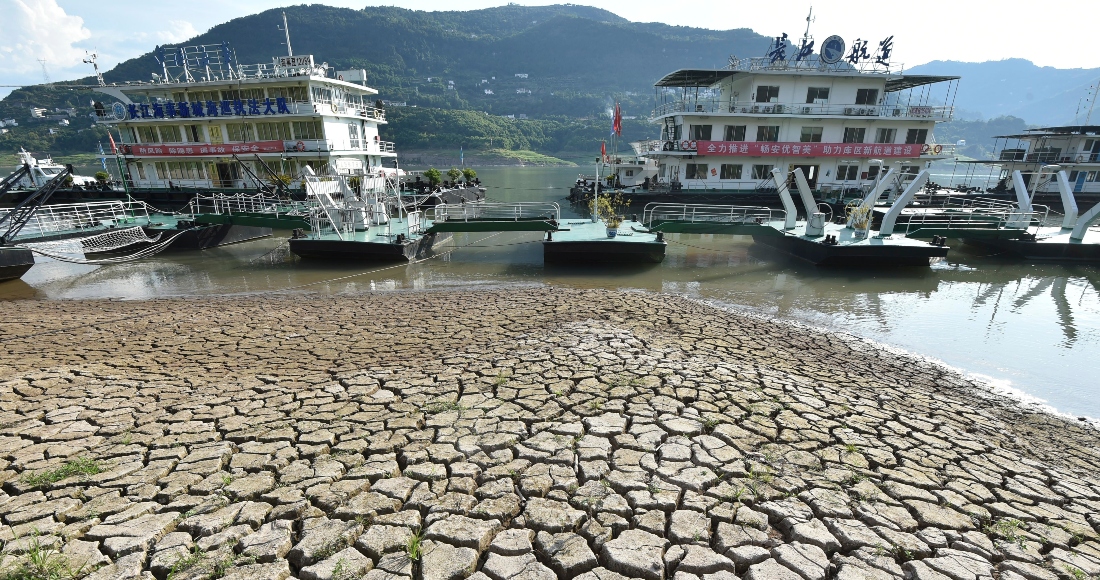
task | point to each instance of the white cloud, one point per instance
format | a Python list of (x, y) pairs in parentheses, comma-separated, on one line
[(39, 29), (179, 31)]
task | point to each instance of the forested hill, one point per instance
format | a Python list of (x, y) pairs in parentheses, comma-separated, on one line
[(577, 58)]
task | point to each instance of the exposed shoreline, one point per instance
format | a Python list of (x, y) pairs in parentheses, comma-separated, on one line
[(643, 434)]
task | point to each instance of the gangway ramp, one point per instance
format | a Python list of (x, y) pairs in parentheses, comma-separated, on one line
[(681, 218), (495, 217)]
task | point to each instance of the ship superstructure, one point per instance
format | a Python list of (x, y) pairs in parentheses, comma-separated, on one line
[(843, 115), (207, 122)]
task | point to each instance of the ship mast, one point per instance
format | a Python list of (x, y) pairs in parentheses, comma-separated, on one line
[(286, 29)]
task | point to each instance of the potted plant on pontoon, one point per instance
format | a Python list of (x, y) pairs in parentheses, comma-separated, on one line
[(608, 210)]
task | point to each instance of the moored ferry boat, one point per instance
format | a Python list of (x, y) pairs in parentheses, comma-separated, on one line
[(208, 124), (843, 115)]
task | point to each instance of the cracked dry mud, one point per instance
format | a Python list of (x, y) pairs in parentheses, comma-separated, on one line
[(537, 433)]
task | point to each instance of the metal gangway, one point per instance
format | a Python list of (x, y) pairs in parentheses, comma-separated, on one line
[(251, 209), (683, 218), (495, 217)]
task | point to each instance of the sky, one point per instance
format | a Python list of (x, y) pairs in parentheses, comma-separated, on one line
[(60, 31)]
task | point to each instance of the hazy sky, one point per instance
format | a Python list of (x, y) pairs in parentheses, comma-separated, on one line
[(59, 31)]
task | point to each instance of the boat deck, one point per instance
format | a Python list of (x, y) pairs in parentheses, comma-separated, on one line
[(582, 241)]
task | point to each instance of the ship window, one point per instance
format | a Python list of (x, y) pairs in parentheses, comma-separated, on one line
[(866, 96), (129, 136), (308, 130), (148, 134), (854, 134), (233, 95), (910, 171), (815, 94), (766, 94), (141, 170), (872, 172), (731, 171), (257, 94), (239, 132), (1091, 176), (700, 132), (766, 133), (179, 96), (289, 93), (1073, 176), (353, 136), (170, 134), (322, 95), (916, 136), (885, 135), (696, 171), (193, 133), (735, 133), (273, 131), (811, 135), (847, 172), (762, 171)]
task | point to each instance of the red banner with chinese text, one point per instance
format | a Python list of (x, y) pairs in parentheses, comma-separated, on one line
[(757, 149), (196, 149)]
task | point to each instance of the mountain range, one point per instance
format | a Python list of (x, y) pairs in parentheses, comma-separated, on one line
[(559, 64)]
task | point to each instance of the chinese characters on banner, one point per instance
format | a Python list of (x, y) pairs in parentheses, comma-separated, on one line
[(198, 109), (204, 149), (757, 148)]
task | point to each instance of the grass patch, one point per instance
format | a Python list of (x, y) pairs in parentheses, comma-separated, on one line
[(42, 563), (437, 407), (78, 466), (525, 156), (415, 548), (1008, 529)]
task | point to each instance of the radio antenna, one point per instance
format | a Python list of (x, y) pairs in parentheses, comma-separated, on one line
[(286, 29)]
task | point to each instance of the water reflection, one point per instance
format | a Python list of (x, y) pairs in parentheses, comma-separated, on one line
[(1035, 327)]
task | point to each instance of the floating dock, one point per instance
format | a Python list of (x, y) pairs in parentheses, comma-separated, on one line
[(583, 241)]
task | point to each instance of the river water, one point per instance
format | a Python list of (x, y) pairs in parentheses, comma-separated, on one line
[(1032, 330)]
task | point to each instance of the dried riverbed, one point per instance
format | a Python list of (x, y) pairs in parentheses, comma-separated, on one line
[(536, 433)]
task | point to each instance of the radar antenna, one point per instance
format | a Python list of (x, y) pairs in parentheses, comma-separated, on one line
[(91, 59), (809, 19)]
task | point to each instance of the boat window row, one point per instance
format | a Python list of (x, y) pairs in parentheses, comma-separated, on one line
[(222, 174), (770, 133), (291, 94), (234, 132), (763, 171), (814, 95)]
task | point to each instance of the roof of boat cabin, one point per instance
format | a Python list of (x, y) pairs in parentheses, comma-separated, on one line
[(1065, 131), (695, 77)]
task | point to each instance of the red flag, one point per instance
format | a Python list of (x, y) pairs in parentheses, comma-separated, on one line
[(114, 150), (603, 149), (617, 124)]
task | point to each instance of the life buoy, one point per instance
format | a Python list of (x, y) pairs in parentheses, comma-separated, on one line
[(937, 149), (684, 145), (300, 146), (334, 107), (692, 146)]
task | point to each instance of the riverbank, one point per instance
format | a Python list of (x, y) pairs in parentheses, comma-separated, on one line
[(513, 433)]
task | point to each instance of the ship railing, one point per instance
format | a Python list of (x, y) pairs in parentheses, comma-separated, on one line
[(757, 63), (717, 105), (494, 211), (979, 219), (246, 204), (718, 214), (72, 218)]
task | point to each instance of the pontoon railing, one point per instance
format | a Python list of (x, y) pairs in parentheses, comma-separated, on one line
[(484, 211), (246, 204), (59, 219), (980, 219), (724, 214)]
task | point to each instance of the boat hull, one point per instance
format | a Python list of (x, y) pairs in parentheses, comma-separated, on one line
[(1040, 251), (210, 236), (854, 255), (582, 252), (14, 262), (359, 251)]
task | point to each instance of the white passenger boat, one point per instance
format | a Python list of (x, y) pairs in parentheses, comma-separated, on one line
[(843, 112)]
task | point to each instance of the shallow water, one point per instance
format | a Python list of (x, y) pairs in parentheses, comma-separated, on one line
[(1034, 329)]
